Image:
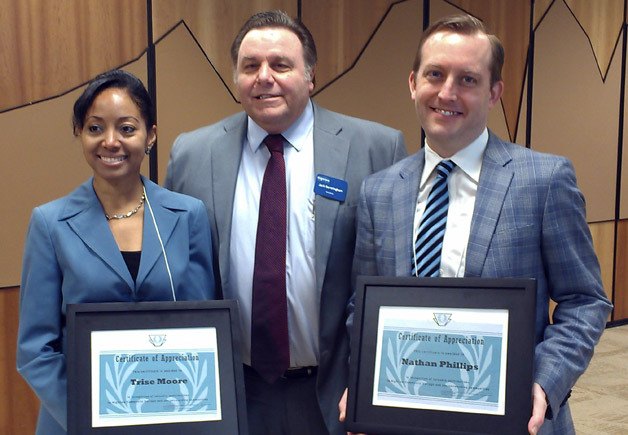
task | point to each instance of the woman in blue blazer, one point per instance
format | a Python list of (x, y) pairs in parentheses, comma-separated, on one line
[(118, 237)]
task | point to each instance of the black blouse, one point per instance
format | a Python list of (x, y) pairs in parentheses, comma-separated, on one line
[(132, 260)]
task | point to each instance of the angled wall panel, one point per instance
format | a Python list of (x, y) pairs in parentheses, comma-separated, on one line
[(377, 87), (190, 93), (49, 47), (575, 113)]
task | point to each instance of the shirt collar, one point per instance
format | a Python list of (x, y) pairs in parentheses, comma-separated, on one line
[(296, 134), (468, 159)]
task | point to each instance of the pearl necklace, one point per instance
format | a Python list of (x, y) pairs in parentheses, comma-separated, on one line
[(128, 214)]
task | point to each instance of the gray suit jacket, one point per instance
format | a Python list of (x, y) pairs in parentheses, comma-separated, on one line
[(71, 257), (204, 164), (529, 221)]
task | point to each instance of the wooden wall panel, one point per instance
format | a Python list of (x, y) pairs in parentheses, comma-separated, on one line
[(18, 413), (540, 9), (190, 93), (49, 47), (50, 165), (381, 77), (603, 234), (602, 21), (623, 197), (523, 114), (214, 24), (377, 87), (621, 273), (341, 29), (575, 113)]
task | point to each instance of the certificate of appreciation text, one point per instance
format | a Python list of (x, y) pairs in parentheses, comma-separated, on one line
[(447, 359), (154, 376)]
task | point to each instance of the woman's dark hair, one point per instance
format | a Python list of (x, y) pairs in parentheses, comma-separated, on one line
[(118, 79)]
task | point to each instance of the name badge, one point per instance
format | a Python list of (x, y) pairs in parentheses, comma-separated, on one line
[(330, 187)]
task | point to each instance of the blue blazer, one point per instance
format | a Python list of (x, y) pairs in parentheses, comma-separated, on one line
[(204, 163), (71, 257), (529, 222)]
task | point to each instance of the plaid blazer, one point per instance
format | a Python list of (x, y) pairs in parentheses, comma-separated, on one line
[(528, 221)]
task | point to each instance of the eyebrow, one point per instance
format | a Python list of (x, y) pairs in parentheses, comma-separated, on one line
[(271, 58), (122, 118), (248, 58), (440, 67)]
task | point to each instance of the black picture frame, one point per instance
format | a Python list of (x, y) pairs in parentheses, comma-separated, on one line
[(517, 296), (222, 315)]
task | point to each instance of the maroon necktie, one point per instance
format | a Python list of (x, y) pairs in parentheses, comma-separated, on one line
[(270, 352)]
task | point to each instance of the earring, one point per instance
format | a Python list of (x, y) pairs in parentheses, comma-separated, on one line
[(147, 150)]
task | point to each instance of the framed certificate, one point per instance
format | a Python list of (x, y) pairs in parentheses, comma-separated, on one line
[(155, 368), (441, 355)]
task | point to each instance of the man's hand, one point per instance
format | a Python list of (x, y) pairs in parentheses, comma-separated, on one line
[(539, 407), (342, 410)]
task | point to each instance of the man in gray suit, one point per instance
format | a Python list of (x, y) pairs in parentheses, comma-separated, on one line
[(512, 212), (223, 165)]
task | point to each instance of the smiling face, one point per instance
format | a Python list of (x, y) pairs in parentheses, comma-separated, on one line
[(451, 90), (271, 78), (114, 137)]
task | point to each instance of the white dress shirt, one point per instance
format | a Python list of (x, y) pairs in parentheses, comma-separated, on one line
[(463, 186), (302, 295)]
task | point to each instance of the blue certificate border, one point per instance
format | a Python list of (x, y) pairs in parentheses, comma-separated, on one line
[(83, 319), (517, 296)]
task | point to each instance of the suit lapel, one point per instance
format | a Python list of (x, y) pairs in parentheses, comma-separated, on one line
[(331, 153), (495, 180), (225, 163), (166, 221), (404, 196), (86, 218)]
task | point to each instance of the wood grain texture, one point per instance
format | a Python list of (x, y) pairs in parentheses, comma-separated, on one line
[(540, 9), (621, 273), (341, 29), (377, 87), (190, 95), (18, 413), (575, 113), (623, 198), (49, 47), (603, 234), (602, 22), (214, 24)]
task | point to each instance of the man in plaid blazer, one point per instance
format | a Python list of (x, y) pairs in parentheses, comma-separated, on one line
[(512, 212)]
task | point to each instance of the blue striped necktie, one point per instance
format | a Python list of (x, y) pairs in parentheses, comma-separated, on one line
[(429, 239)]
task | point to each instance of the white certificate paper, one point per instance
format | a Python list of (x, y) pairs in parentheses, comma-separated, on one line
[(154, 376), (445, 359)]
